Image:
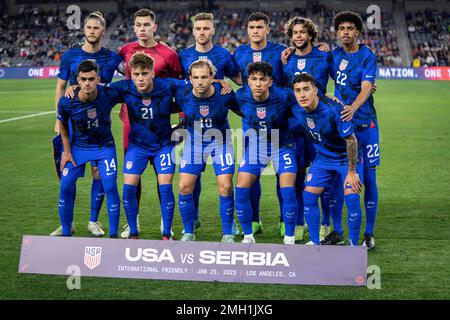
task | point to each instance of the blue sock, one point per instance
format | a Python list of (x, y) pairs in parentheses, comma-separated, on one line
[(244, 209), (299, 187), (113, 204), (370, 199), (97, 196), (255, 197), (65, 205), (280, 199), (354, 217), (167, 207), (290, 209), (226, 213), (337, 204), (312, 215), (325, 203), (197, 191), (187, 208), (131, 207)]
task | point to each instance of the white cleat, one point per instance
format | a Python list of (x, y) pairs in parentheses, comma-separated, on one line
[(95, 228), (126, 233), (249, 238), (289, 240), (188, 237), (161, 228), (228, 238), (310, 243), (58, 231), (324, 232)]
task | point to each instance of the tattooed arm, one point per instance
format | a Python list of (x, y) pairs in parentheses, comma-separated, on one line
[(352, 178)]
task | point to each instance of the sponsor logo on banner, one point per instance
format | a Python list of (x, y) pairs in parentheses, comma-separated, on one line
[(261, 112), (204, 110), (310, 123), (92, 113), (129, 165), (92, 257), (146, 101), (301, 63), (257, 56), (343, 65)]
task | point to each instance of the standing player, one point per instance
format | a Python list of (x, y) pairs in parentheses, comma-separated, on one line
[(259, 49), (107, 61), (166, 65), (265, 110), (203, 32), (206, 112), (355, 71), (149, 102), (91, 140), (337, 155)]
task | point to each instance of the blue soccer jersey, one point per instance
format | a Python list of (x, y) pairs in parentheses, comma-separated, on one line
[(149, 114), (220, 57), (317, 63), (107, 62), (350, 70), (325, 126), (244, 55), (90, 121)]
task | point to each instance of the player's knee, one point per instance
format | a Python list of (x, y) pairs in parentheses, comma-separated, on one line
[(225, 188), (185, 188)]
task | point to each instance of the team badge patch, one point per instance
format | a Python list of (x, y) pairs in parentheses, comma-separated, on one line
[(203, 58), (310, 123), (301, 63), (65, 172), (146, 101), (257, 56), (129, 165), (182, 164), (92, 113), (309, 177), (343, 65), (204, 110), (261, 112), (92, 257)]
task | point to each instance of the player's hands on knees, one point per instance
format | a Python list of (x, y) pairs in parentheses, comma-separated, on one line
[(70, 92), (57, 126), (347, 113), (65, 158), (374, 88), (323, 46), (226, 88), (285, 54), (352, 179)]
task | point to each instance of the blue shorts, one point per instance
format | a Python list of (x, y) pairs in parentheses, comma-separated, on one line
[(137, 158), (322, 174), (103, 158), (369, 142), (194, 161), (284, 161), (304, 151)]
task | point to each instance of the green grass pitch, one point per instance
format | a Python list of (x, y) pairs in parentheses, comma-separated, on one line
[(412, 231)]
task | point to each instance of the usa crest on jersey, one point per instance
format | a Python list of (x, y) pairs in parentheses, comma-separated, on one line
[(146, 101), (257, 56), (92, 113), (301, 63), (343, 65), (203, 58), (129, 165), (204, 110), (92, 257), (261, 112), (310, 123)]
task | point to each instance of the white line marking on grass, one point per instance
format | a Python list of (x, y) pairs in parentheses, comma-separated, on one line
[(19, 111), (28, 116)]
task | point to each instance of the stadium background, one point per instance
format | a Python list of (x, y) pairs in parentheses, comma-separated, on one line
[(412, 226)]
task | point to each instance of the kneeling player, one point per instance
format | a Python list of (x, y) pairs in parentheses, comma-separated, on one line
[(266, 110), (337, 154), (206, 112)]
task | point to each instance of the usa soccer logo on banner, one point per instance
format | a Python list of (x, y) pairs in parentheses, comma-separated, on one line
[(92, 257)]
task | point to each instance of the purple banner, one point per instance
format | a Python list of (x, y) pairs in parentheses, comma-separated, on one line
[(34, 73), (426, 73), (197, 261)]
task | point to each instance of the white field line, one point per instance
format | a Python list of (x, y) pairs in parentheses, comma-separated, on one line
[(28, 116)]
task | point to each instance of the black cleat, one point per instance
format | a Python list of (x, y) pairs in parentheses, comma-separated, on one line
[(332, 239), (368, 242)]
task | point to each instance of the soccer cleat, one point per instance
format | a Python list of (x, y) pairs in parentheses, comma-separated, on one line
[(96, 229), (133, 236), (126, 233), (289, 239), (197, 224), (249, 238), (281, 228), (324, 232), (58, 231), (300, 232), (369, 242), (235, 229), (333, 238), (188, 237), (310, 243), (228, 238), (166, 238), (257, 227)]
